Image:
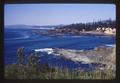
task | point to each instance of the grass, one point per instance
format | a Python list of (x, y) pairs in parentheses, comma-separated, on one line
[(44, 72)]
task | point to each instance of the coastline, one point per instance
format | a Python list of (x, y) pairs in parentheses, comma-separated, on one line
[(103, 55), (59, 32)]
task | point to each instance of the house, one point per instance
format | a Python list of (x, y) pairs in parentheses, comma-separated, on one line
[(107, 30)]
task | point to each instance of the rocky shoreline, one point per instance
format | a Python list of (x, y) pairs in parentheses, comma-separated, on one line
[(100, 55), (63, 32)]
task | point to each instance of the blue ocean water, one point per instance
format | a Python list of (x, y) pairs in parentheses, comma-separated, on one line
[(16, 38)]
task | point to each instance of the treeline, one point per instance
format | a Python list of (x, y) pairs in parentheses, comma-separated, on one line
[(91, 25)]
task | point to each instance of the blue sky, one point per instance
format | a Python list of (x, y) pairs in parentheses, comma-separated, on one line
[(55, 14)]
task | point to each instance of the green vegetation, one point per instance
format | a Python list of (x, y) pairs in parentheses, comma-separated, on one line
[(90, 25), (34, 70)]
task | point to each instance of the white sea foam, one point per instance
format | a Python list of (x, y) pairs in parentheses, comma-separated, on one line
[(26, 36), (110, 45), (48, 50)]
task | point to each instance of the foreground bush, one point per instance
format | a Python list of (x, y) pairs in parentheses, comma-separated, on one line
[(45, 72)]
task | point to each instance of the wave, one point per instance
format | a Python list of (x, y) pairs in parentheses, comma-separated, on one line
[(22, 37), (73, 36), (110, 45), (45, 28), (48, 50), (15, 34)]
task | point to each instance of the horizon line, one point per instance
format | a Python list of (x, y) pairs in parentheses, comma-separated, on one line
[(61, 24)]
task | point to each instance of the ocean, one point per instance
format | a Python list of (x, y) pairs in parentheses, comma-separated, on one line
[(16, 38)]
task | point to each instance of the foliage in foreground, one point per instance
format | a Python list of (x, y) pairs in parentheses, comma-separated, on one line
[(44, 72), (34, 70)]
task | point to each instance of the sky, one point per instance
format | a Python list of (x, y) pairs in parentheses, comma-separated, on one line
[(55, 14)]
